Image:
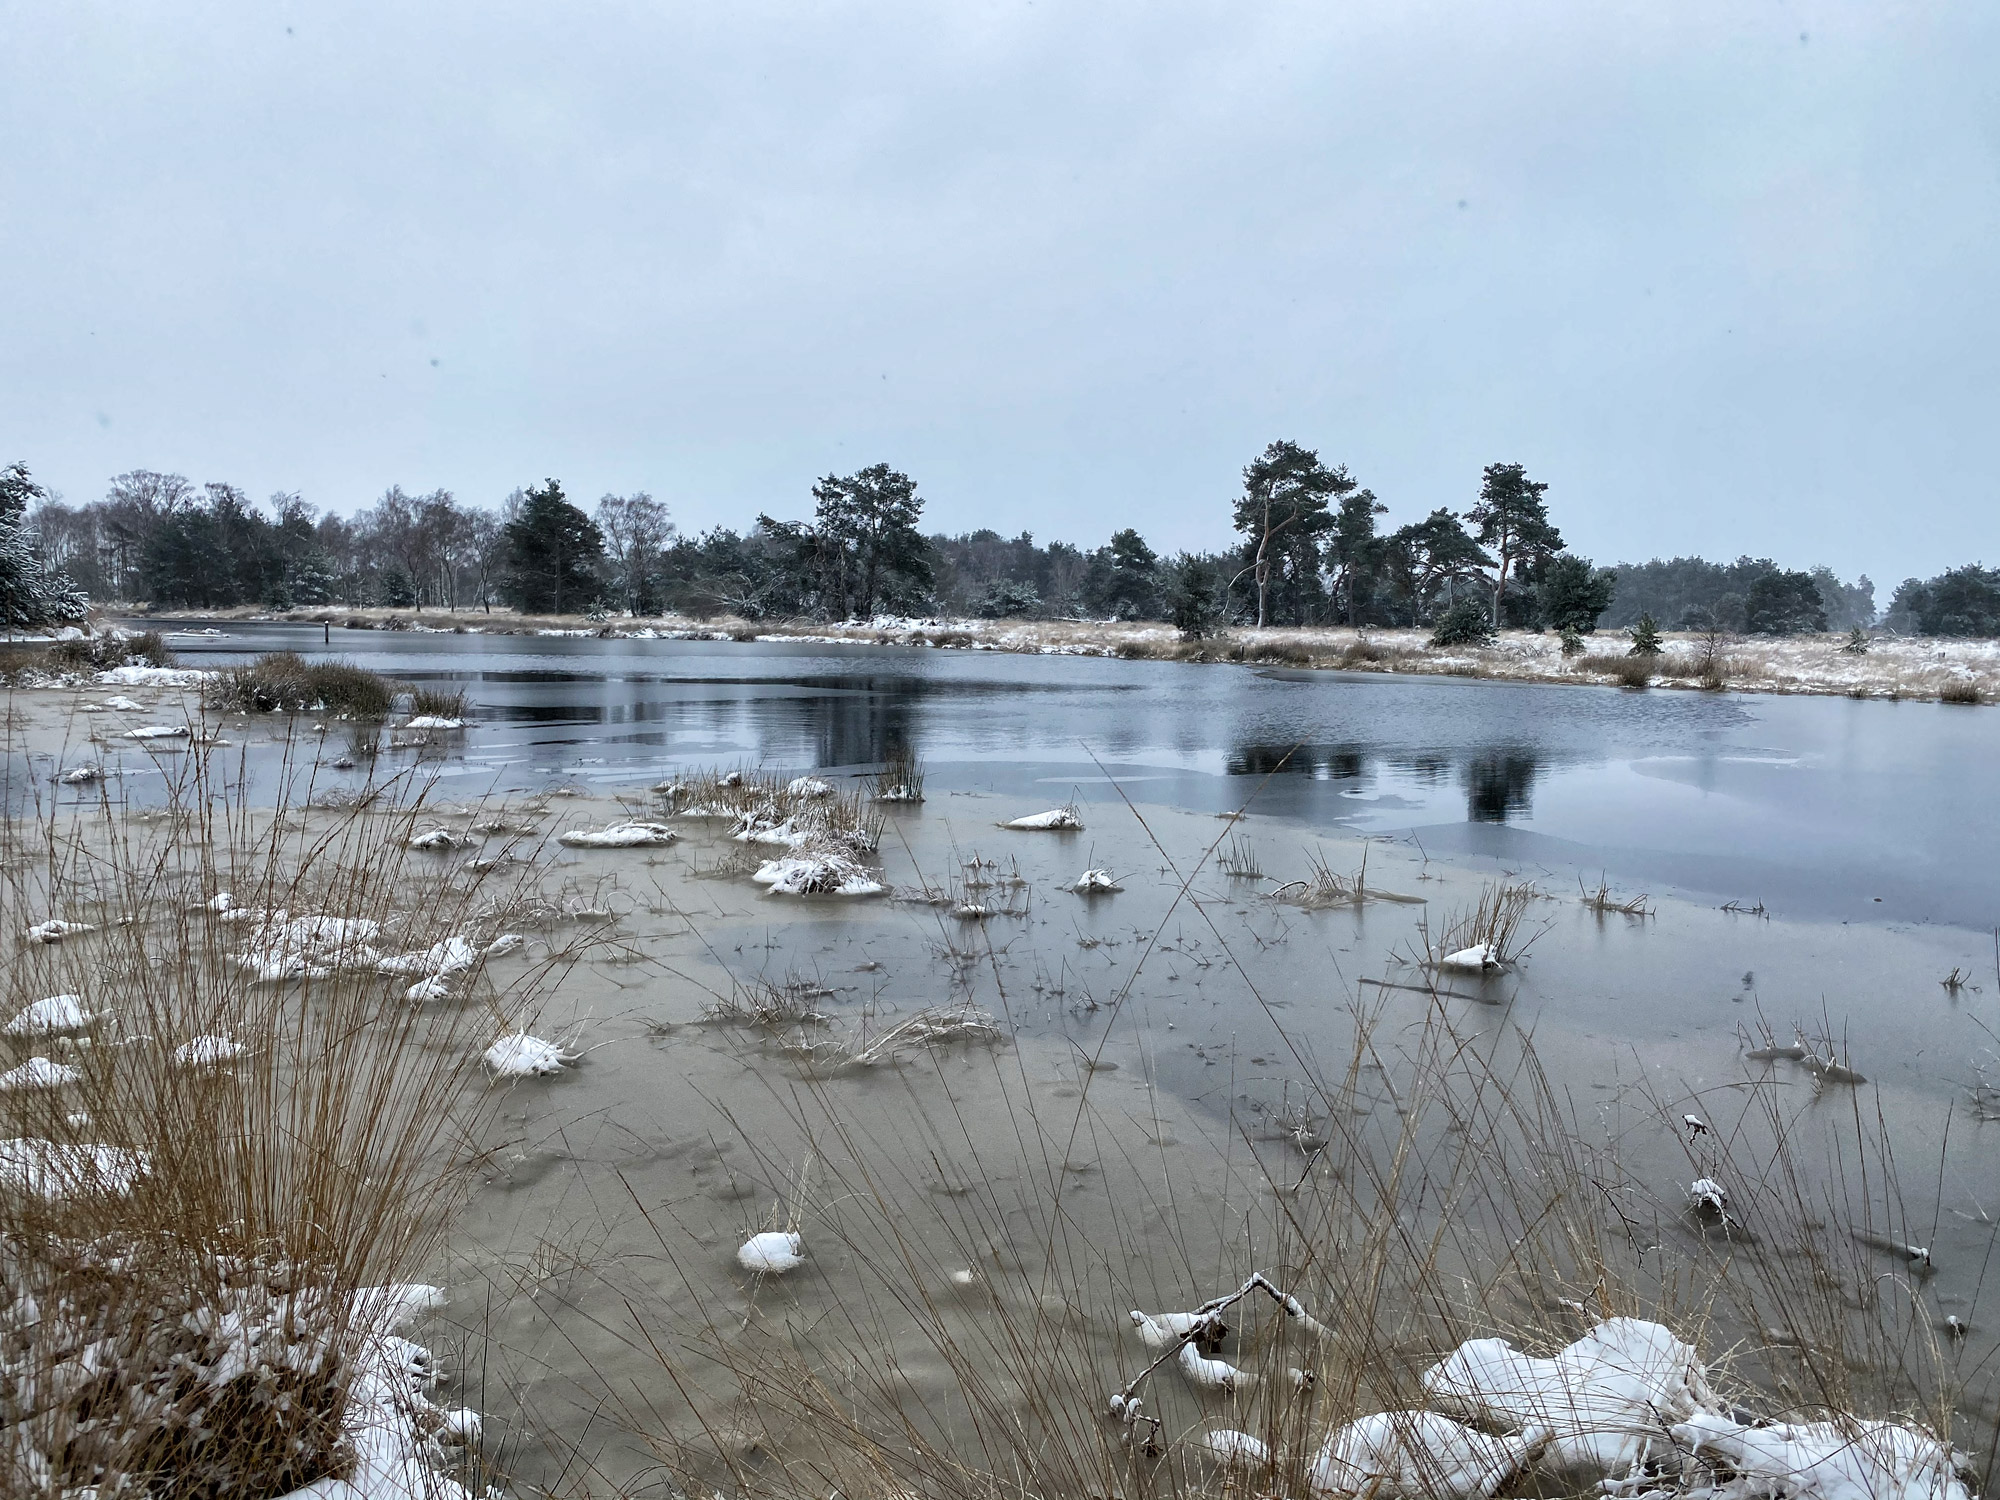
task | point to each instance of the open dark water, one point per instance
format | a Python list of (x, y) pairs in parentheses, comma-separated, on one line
[(1817, 807)]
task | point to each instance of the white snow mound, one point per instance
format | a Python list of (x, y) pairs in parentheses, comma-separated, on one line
[(619, 836), (37, 1073), (1055, 820), (51, 1017), (817, 875), (772, 1253), (519, 1055)]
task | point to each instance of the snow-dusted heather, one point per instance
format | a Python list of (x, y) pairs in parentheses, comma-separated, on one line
[(437, 840), (51, 1017), (82, 775), (1909, 667), (619, 836), (124, 705), (809, 786)]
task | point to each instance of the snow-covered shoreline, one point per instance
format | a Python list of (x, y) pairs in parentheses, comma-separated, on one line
[(1892, 666)]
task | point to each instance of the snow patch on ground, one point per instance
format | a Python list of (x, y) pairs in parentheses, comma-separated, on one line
[(181, 677)]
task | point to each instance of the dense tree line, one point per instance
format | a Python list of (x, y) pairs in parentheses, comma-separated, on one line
[(1312, 547)]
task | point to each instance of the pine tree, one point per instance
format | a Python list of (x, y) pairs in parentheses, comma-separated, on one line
[(867, 526), (553, 550), (1283, 510), (33, 595), (1513, 521), (1645, 638)]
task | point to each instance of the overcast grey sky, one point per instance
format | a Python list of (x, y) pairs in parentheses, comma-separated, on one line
[(1722, 272)]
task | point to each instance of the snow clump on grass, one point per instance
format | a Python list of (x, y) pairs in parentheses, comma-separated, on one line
[(1096, 883), (55, 930), (772, 1253), (519, 1055), (54, 1171), (38, 1073), (824, 872), (1055, 820), (51, 1017), (619, 836)]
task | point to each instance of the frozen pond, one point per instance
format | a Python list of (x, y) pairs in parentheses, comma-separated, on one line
[(1814, 807)]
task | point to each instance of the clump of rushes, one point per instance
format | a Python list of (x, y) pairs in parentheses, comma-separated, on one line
[(97, 653), (437, 702), (901, 778), (1959, 690), (285, 682), (1492, 928)]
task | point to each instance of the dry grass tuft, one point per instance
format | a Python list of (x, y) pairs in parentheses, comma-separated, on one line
[(1604, 903), (1324, 888), (1239, 860), (285, 682), (201, 1319), (1626, 671), (437, 702), (1494, 925), (901, 778)]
